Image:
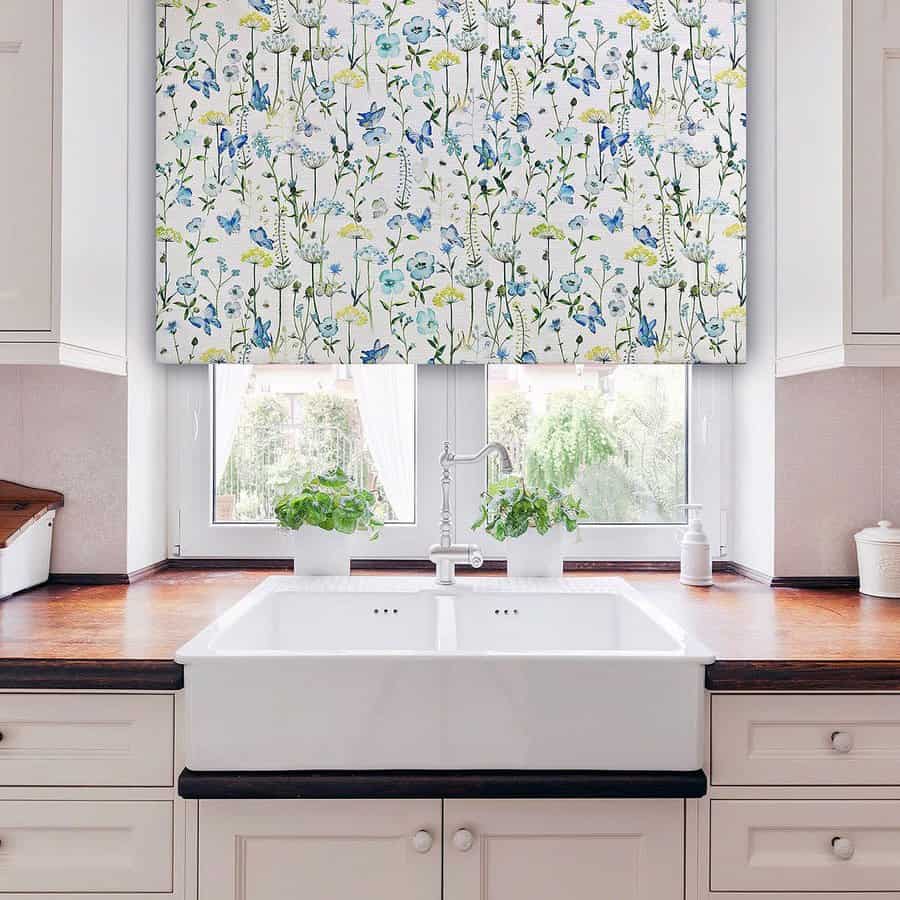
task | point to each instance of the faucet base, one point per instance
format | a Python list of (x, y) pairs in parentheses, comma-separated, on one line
[(446, 559)]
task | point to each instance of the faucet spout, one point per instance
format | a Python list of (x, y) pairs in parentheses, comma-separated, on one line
[(449, 458), (445, 554)]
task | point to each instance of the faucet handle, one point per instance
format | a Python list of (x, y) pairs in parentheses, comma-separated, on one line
[(476, 556)]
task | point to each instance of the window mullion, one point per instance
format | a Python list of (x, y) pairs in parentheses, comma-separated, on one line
[(470, 435)]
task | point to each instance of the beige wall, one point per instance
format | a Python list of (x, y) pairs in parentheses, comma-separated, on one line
[(838, 442), (65, 429)]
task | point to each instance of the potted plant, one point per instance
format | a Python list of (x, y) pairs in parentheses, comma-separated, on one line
[(533, 520), (326, 514)]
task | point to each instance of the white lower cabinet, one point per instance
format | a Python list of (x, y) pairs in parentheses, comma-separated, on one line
[(88, 805), (394, 849), (805, 798)]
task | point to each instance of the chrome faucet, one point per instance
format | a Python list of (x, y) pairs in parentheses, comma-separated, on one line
[(446, 555)]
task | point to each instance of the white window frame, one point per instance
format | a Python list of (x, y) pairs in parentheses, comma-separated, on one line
[(442, 394)]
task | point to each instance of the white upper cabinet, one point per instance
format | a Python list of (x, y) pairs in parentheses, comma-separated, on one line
[(26, 164), (63, 235), (875, 308), (838, 184)]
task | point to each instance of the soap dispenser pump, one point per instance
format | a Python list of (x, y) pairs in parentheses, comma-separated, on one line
[(696, 560)]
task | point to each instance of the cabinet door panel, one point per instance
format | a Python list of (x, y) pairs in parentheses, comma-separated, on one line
[(322, 849), (876, 167), (576, 849), (26, 153)]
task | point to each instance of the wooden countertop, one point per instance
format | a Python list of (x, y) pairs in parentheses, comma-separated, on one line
[(124, 637)]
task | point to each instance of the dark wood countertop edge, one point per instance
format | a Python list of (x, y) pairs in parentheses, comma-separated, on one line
[(415, 784), (91, 674), (803, 675), (722, 675)]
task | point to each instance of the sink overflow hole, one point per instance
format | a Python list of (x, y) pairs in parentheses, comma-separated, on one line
[(385, 611), (506, 612)]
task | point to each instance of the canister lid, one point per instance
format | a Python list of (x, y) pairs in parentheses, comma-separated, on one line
[(883, 533)]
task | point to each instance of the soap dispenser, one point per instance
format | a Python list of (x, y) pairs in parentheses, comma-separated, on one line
[(696, 560)]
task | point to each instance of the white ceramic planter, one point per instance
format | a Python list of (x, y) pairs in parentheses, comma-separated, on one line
[(318, 552), (537, 555)]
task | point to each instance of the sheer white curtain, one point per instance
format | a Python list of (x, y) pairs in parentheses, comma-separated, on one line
[(231, 381), (386, 397)]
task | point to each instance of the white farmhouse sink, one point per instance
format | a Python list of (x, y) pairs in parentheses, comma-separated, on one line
[(396, 673)]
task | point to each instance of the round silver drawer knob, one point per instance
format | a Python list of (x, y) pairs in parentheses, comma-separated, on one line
[(463, 840), (842, 847), (841, 741), (422, 841)]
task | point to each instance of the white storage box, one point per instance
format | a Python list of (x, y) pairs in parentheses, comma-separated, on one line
[(878, 551), (26, 533)]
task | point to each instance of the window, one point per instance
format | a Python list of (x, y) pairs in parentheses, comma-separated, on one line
[(633, 442), (613, 435), (276, 425)]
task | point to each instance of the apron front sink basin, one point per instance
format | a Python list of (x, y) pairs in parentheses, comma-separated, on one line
[(396, 673)]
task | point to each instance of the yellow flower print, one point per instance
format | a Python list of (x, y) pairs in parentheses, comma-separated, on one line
[(447, 295), (736, 230), (350, 77), (601, 354), (547, 232), (356, 231), (734, 314), (169, 3), (216, 355), (734, 77), (256, 256), (355, 315), (168, 235), (595, 116), (641, 254), (634, 19), (443, 59), (215, 117), (255, 20)]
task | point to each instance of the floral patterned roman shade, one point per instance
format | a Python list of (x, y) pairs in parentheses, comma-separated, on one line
[(451, 181)]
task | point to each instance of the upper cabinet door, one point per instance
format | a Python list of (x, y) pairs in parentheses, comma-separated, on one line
[(876, 167), (572, 849), (320, 849), (26, 165)]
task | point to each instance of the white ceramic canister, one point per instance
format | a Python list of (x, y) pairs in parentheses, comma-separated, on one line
[(878, 552)]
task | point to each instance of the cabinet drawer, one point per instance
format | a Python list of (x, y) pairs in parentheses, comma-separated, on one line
[(81, 847), (805, 845), (86, 739), (797, 740)]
